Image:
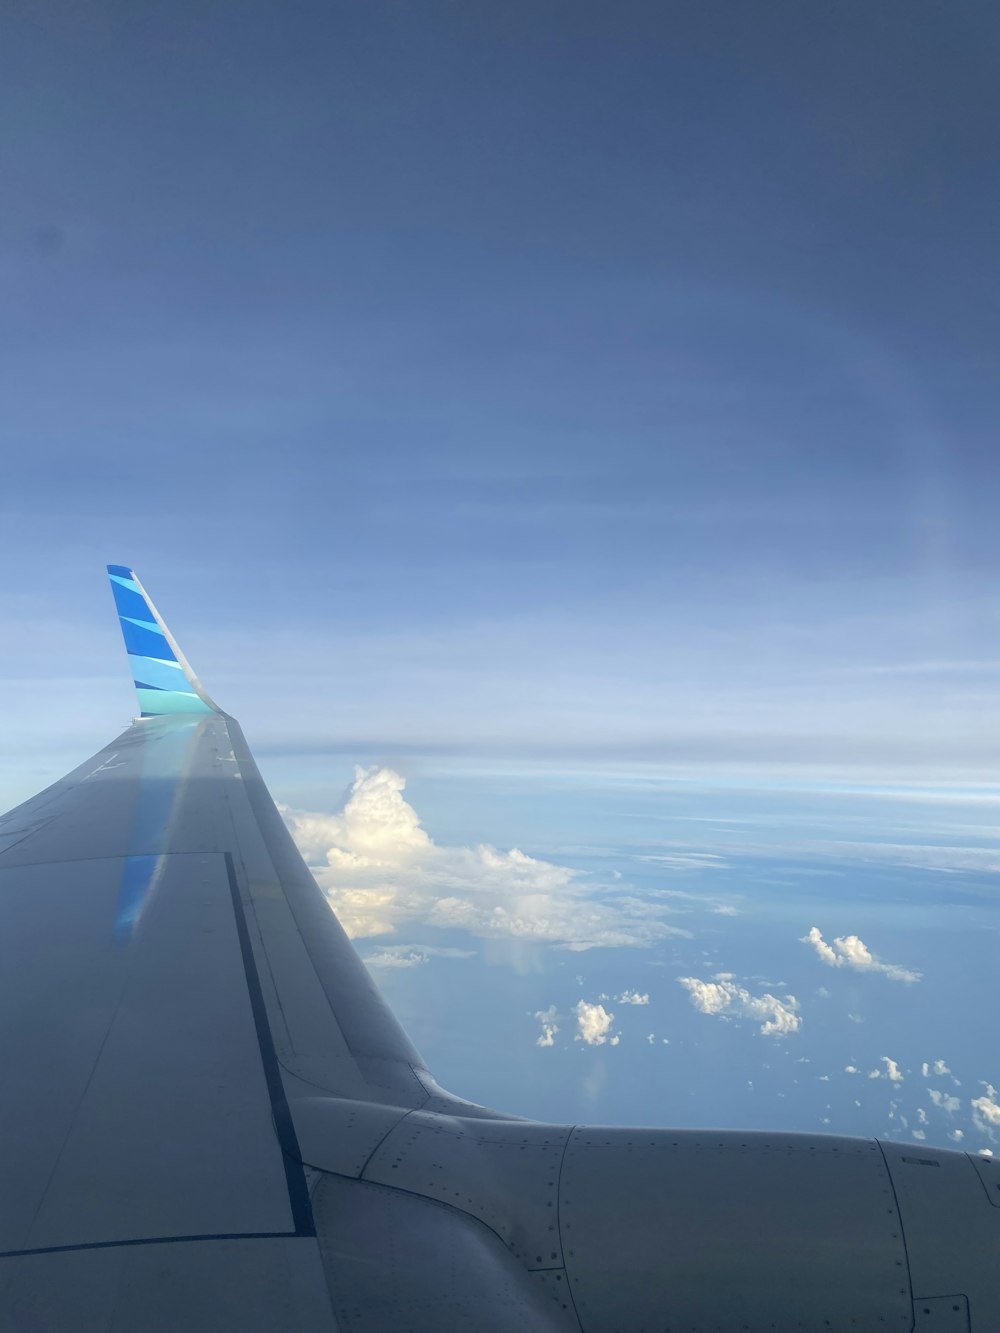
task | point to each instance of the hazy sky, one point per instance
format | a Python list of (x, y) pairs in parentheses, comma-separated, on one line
[(546, 378)]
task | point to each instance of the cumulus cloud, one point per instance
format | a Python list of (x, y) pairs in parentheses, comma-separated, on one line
[(895, 1113), (850, 1069), (729, 1000), (938, 1068), (986, 1111), (918, 1134), (956, 1135), (943, 1101), (381, 870), (892, 1071), (594, 1023), (850, 951), (632, 997), (547, 1018)]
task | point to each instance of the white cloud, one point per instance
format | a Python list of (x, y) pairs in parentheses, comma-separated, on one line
[(850, 1069), (892, 1071), (651, 1038), (413, 955), (943, 1101), (918, 1134), (397, 957), (725, 998), (921, 856), (594, 1023), (956, 1135), (547, 1018), (938, 1068), (921, 1116), (381, 870), (850, 951), (686, 860), (632, 997), (986, 1111)]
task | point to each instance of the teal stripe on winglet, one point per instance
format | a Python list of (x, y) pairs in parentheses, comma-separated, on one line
[(159, 674), (155, 703)]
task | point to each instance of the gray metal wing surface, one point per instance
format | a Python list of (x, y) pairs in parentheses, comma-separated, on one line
[(210, 1119)]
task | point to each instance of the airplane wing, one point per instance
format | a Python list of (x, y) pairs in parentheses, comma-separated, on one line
[(210, 1119)]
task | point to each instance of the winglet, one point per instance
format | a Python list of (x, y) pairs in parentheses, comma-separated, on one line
[(163, 678)]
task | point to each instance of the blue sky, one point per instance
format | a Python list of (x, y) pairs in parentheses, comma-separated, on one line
[(586, 415), (545, 379)]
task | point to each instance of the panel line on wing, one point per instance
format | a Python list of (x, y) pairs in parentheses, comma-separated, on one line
[(298, 1192), (147, 1240)]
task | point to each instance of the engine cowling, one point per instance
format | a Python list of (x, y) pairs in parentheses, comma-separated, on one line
[(673, 1231), (658, 1231)]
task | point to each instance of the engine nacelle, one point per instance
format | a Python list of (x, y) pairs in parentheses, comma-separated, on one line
[(685, 1230), (654, 1231)]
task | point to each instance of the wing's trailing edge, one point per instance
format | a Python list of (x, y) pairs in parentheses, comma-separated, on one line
[(210, 1119), (164, 681)]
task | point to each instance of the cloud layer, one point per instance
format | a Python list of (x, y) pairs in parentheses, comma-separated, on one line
[(413, 955), (381, 869), (852, 952)]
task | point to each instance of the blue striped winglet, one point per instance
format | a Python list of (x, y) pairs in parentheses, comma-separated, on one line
[(163, 679)]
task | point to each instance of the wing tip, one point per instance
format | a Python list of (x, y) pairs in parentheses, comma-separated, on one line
[(164, 680)]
